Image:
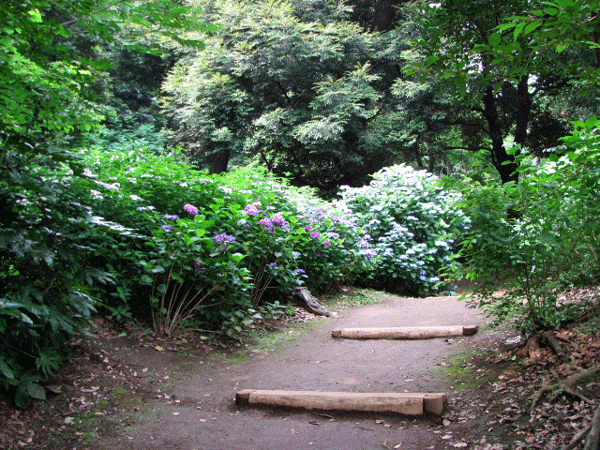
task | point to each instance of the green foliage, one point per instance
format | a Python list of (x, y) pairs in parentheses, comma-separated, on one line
[(45, 271), (298, 96), (48, 270), (182, 274), (548, 242), (503, 89), (145, 138), (410, 223), (564, 26)]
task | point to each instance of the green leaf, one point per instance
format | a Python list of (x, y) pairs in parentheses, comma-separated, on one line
[(6, 370), (518, 29), (36, 391), (35, 16), (532, 26), (495, 39)]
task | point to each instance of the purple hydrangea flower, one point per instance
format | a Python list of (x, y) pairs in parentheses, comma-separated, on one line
[(277, 219), (308, 228), (167, 228), (327, 243), (370, 253), (172, 217), (273, 265), (224, 238), (251, 209), (191, 209), (315, 234), (299, 271), (267, 223), (333, 235)]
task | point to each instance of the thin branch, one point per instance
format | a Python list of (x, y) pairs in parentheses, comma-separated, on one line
[(69, 22)]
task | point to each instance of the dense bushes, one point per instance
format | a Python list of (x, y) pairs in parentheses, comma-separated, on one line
[(249, 238), (538, 237), (411, 224), (148, 237), (46, 268)]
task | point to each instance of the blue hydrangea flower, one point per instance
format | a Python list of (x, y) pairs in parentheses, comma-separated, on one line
[(167, 228), (172, 217), (370, 253)]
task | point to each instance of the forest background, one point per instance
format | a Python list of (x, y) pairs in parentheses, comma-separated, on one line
[(190, 163)]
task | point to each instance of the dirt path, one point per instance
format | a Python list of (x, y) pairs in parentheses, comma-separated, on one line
[(197, 410)]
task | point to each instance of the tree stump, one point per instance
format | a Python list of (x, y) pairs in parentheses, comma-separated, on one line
[(309, 302)]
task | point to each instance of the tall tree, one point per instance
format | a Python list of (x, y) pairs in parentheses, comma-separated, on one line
[(298, 95), (454, 46)]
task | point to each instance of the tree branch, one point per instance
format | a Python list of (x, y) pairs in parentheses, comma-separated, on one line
[(69, 22)]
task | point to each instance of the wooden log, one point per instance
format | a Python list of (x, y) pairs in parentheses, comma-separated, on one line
[(395, 403), (405, 332), (309, 302)]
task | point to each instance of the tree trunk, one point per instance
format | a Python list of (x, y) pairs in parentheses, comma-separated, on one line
[(309, 302), (523, 110), (219, 162), (431, 154), (502, 161), (386, 12)]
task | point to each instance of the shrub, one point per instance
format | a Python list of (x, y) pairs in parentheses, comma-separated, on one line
[(269, 223), (189, 267), (551, 243), (45, 268), (410, 223)]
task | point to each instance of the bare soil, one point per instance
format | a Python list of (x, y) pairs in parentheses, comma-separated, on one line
[(130, 390)]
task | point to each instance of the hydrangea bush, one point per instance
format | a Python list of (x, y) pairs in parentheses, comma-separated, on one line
[(410, 225), (219, 248), (266, 236), (190, 269)]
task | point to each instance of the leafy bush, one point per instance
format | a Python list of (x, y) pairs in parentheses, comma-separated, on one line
[(410, 223), (547, 243), (190, 267), (128, 135), (284, 237), (45, 268)]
